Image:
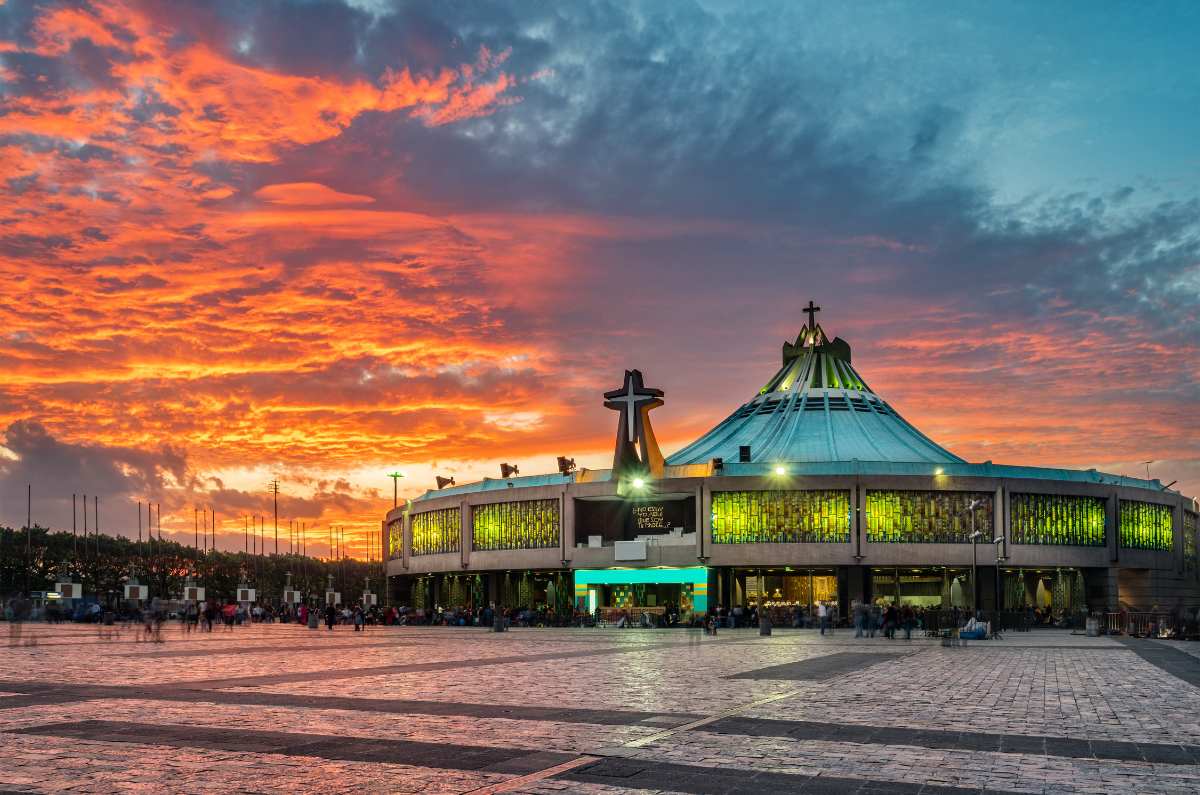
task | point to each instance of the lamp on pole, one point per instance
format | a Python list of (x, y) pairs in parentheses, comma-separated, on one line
[(975, 536), (999, 560), (395, 476)]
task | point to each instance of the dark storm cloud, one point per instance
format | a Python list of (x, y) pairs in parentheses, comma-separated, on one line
[(56, 469), (666, 110)]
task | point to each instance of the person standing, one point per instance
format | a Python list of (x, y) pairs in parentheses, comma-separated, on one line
[(860, 617), (330, 616), (823, 616)]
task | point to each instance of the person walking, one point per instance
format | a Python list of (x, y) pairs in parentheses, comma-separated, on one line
[(907, 618), (859, 611), (330, 616), (823, 616)]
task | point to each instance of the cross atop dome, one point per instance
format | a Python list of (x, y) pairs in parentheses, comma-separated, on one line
[(812, 314), (811, 335)]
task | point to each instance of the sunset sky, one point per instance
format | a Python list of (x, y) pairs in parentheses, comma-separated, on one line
[(319, 241)]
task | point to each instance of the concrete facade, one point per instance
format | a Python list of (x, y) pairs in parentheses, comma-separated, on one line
[(1115, 577)]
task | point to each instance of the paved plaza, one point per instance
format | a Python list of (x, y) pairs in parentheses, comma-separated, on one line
[(279, 708)]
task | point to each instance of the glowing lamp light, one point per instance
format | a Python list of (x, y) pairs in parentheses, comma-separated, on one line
[(937, 471), (780, 471), (638, 483)]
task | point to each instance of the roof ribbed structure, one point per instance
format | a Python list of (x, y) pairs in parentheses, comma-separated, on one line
[(816, 408)]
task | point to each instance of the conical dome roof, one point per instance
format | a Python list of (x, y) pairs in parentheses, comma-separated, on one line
[(816, 408)]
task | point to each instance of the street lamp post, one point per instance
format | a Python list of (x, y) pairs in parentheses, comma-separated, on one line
[(975, 536), (395, 476)]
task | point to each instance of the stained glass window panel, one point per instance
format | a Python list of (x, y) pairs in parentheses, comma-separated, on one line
[(436, 532), (527, 524), (1146, 525), (395, 538), (927, 517), (780, 517), (1057, 519), (1191, 563)]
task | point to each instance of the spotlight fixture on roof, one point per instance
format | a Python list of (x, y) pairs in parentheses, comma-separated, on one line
[(565, 465), (444, 482), (638, 483), (780, 470), (718, 465), (508, 470)]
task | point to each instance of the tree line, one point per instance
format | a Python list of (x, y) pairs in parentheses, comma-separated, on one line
[(34, 560)]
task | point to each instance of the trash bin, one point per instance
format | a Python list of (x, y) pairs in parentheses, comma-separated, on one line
[(499, 625), (314, 622), (764, 624), (1093, 627)]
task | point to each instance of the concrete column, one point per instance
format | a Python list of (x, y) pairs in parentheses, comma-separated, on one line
[(1000, 520), (855, 585), (1112, 527), (465, 513), (1177, 535), (406, 545), (857, 507), (567, 527), (703, 522)]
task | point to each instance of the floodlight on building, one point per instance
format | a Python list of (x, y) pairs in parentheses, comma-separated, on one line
[(508, 470), (565, 465), (444, 482), (638, 483), (780, 470), (937, 471)]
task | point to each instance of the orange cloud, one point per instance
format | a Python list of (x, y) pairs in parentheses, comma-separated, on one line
[(308, 193)]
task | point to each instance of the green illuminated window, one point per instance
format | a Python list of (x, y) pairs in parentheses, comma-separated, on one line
[(927, 517), (1191, 564), (1146, 525), (1057, 519), (395, 538), (435, 532), (780, 517), (528, 524)]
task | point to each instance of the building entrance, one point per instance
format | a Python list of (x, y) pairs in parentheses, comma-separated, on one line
[(931, 587), (615, 594)]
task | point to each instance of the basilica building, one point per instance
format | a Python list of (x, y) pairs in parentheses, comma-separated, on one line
[(813, 490)]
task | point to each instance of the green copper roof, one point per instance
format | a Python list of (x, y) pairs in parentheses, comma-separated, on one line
[(815, 408)]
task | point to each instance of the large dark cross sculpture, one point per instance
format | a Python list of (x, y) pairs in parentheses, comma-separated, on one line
[(636, 449), (812, 314)]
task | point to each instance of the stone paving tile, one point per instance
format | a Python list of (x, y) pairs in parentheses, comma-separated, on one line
[(447, 688)]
